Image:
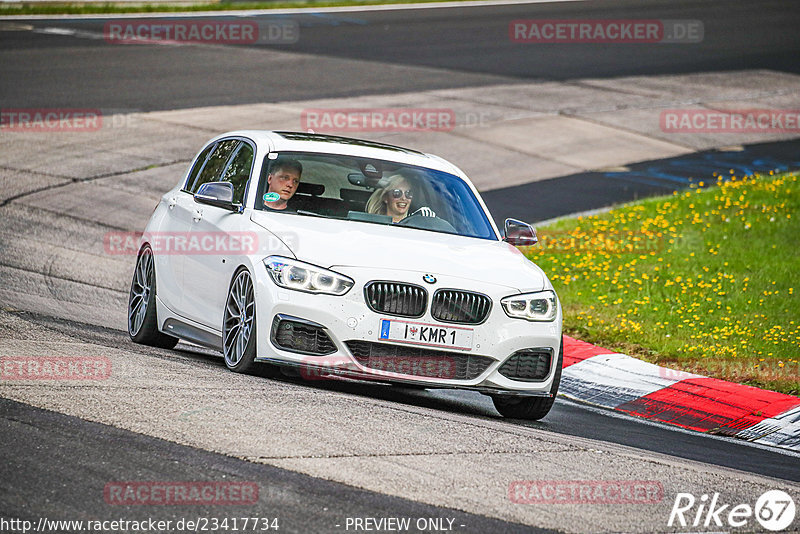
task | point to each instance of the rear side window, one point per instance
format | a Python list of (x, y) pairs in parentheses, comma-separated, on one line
[(215, 163)]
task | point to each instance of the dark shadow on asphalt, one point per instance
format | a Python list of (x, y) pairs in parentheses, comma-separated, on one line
[(558, 197)]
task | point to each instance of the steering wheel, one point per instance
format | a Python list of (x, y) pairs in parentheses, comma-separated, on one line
[(428, 223)]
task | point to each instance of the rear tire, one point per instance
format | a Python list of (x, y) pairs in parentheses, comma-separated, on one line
[(533, 408), (142, 315)]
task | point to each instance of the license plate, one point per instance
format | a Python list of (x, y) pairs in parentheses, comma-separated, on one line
[(426, 334)]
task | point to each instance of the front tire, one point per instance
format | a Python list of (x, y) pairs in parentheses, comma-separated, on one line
[(239, 324), (533, 408), (142, 316)]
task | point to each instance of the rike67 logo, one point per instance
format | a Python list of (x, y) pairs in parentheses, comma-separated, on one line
[(774, 510)]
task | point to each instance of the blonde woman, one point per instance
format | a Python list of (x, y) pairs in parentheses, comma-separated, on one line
[(395, 199)]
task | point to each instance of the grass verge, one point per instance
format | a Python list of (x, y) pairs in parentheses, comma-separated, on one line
[(701, 281), (76, 8)]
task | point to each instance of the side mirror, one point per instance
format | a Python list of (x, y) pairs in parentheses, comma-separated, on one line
[(520, 234), (219, 194)]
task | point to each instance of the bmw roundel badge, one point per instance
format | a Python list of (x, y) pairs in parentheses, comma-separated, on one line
[(429, 278)]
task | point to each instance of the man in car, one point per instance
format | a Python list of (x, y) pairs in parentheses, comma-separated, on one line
[(282, 182)]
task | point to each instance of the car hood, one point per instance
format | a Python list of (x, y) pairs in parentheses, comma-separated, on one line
[(330, 243)]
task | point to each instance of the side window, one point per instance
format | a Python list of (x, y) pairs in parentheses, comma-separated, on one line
[(201, 160), (215, 164), (238, 171)]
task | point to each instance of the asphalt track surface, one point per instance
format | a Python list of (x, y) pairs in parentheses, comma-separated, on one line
[(356, 53), (418, 50), (566, 417), (56, 466), (85, 456)]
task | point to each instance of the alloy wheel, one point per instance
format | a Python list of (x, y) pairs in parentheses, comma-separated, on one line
[(238, 321)]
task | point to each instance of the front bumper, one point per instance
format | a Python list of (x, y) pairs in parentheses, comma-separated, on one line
[(348, 318)]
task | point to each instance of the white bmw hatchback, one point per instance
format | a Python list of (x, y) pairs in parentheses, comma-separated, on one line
[(347, 258)]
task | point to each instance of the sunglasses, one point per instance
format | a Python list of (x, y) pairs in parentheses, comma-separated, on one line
[(398, 193)]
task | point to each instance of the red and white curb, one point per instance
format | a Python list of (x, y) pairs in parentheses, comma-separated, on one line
[(596, 376)]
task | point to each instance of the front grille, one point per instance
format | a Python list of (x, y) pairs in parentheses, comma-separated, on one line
[(454, 306), (417, 361), (300, 336), (395, 298), (527, 365)]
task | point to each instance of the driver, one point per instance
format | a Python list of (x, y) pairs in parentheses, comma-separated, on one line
[(395, 199), (282, 180)]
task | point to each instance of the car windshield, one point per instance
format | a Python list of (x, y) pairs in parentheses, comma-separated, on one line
[(371, 191)]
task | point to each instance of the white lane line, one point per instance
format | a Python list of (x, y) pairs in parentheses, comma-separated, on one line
[(98, 36), (81, 34), (56, 31), (288, 11), (14, 27)]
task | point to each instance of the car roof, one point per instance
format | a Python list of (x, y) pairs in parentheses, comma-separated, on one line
[(286, 141)]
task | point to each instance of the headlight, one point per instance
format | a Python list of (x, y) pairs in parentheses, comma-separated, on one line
[(541, 306), (301, 276)]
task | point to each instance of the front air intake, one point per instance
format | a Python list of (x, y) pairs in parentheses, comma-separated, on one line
[(527, 365), (298, 335)]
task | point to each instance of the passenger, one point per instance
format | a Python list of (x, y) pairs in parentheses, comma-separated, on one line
[(282, 181), (395, 200)]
